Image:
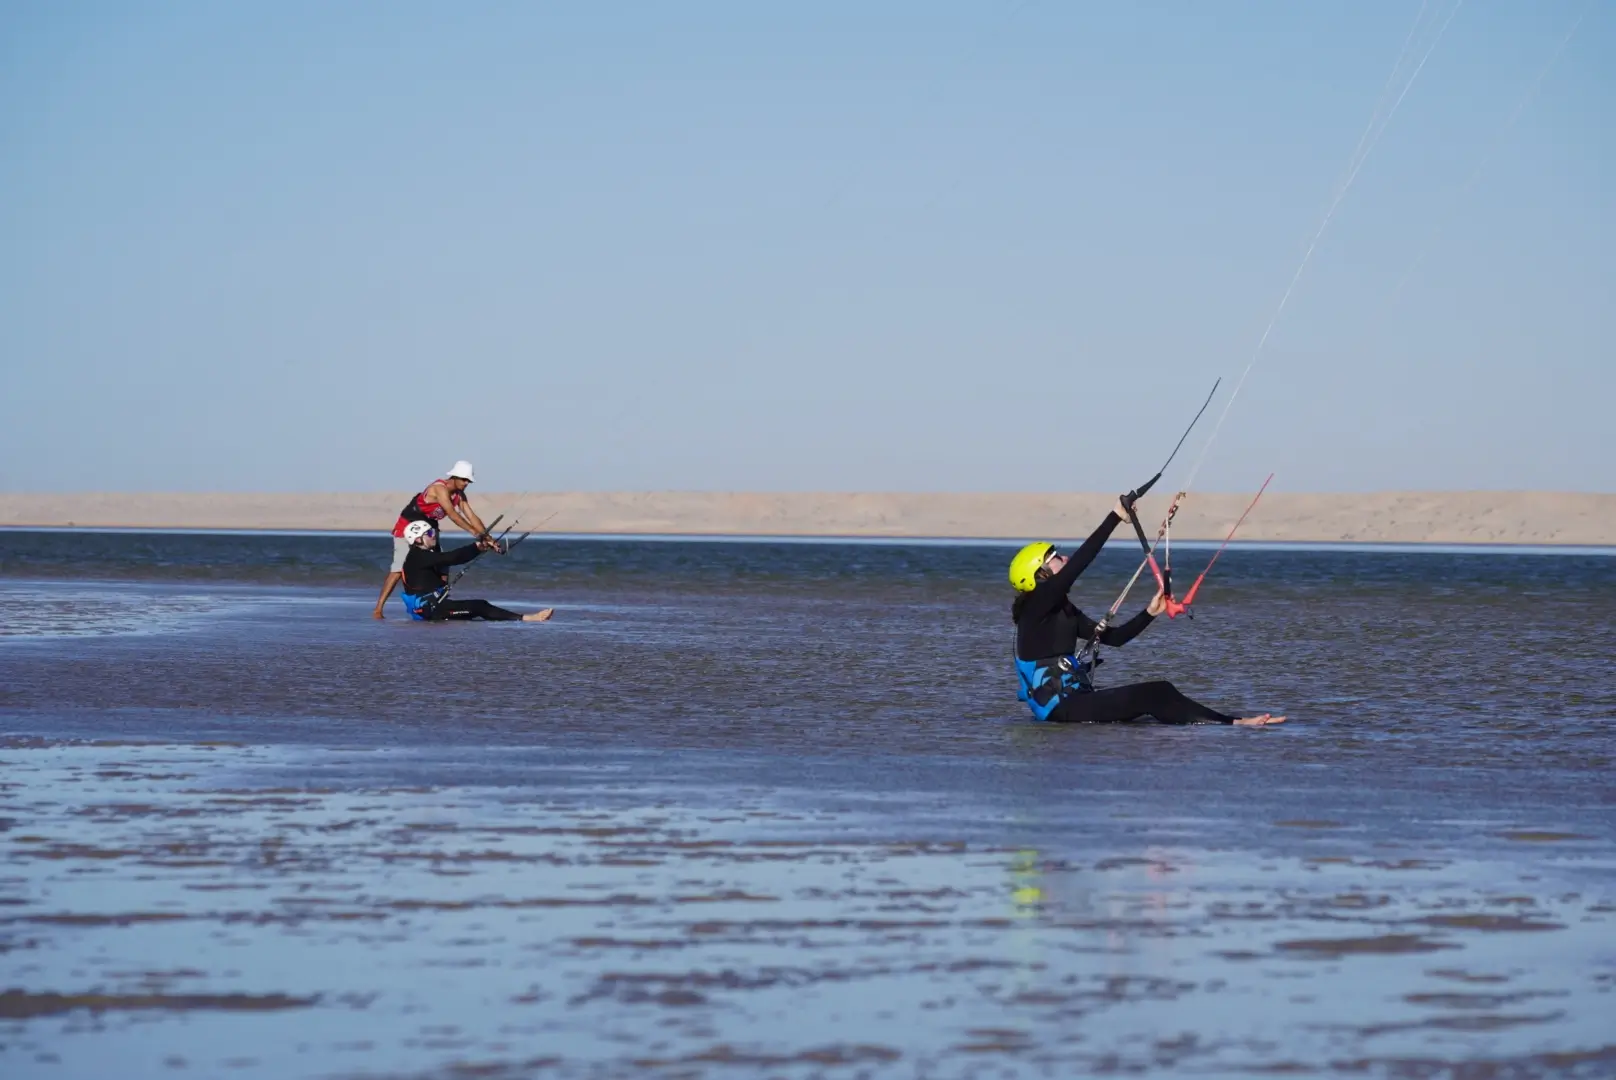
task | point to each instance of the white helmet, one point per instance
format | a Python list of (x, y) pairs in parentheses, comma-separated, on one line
[(462, 469), (416, 531)]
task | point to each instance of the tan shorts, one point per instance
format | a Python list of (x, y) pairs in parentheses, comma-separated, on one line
[(401, 548)]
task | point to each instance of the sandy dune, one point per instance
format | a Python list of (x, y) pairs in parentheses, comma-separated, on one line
[(1382, 517)]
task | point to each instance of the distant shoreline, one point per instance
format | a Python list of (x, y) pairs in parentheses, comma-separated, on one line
[(1460, 519), (1119, 541)]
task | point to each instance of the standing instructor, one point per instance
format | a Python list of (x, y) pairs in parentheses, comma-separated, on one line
[(441, 498)]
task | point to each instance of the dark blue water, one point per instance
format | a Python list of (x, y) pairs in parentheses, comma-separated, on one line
[(772, 808)]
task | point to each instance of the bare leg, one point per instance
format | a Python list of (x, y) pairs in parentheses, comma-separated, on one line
[(388, 586), (539, 616)]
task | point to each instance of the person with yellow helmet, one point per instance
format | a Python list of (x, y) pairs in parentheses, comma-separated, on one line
[(1056, 679)]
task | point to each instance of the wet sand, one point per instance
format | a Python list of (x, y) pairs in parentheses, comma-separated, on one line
[(1385, 517)]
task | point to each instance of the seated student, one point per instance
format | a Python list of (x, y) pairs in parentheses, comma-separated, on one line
[(1056, 677), (447, 497), (425, 580)]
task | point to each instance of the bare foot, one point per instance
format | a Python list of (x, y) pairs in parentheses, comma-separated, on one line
[(377, 614), (1262, 720), (539, 616)]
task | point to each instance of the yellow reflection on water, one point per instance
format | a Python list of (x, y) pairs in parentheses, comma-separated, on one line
[(1026, 884)]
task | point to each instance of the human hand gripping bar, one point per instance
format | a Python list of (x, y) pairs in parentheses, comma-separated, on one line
[(443, 594)]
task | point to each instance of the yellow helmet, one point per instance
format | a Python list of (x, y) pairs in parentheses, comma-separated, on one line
[(1025, 566)]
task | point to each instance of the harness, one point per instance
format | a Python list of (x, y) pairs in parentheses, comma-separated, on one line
[(420, 607), (1048, 682)]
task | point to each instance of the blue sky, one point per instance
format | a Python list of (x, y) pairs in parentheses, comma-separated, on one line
[(912, 246)]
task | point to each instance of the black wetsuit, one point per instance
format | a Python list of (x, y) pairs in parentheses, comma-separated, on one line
[(424, 574), (1048, 625)]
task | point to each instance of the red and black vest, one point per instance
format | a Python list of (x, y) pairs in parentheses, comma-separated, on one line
[(422, 508)]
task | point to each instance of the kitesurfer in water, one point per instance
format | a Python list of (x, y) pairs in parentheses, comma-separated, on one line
[(442, 498), (424, 580), (1055, 682)]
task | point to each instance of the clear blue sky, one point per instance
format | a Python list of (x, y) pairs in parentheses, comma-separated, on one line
[(840, 246)]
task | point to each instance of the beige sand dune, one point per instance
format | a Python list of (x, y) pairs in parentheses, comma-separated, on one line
[(1462, 517)]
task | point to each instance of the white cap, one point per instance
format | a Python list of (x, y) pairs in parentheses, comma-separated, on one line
[(416, 530), (462, 469)]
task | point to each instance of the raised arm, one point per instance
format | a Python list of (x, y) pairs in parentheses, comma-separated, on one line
[(1063, 581), (1050, 593)]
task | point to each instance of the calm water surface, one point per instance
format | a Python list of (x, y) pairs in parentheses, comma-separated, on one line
[(772, 809)]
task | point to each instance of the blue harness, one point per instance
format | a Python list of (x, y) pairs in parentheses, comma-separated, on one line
[(1048, 682), (418, 606)]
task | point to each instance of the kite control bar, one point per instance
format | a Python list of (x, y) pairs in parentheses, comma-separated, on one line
[(1163, 572)]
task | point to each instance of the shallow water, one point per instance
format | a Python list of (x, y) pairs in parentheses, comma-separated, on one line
[(772, 809)]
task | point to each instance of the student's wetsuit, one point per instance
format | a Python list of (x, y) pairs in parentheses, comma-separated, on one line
[(1049, 633), (424, 576)]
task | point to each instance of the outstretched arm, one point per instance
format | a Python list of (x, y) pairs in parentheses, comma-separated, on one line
[(1114, 636), (471, 522), (440, 559), (1084, 555), (1117, 636), (461, 515), (1050, 593), (1121, 635)]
